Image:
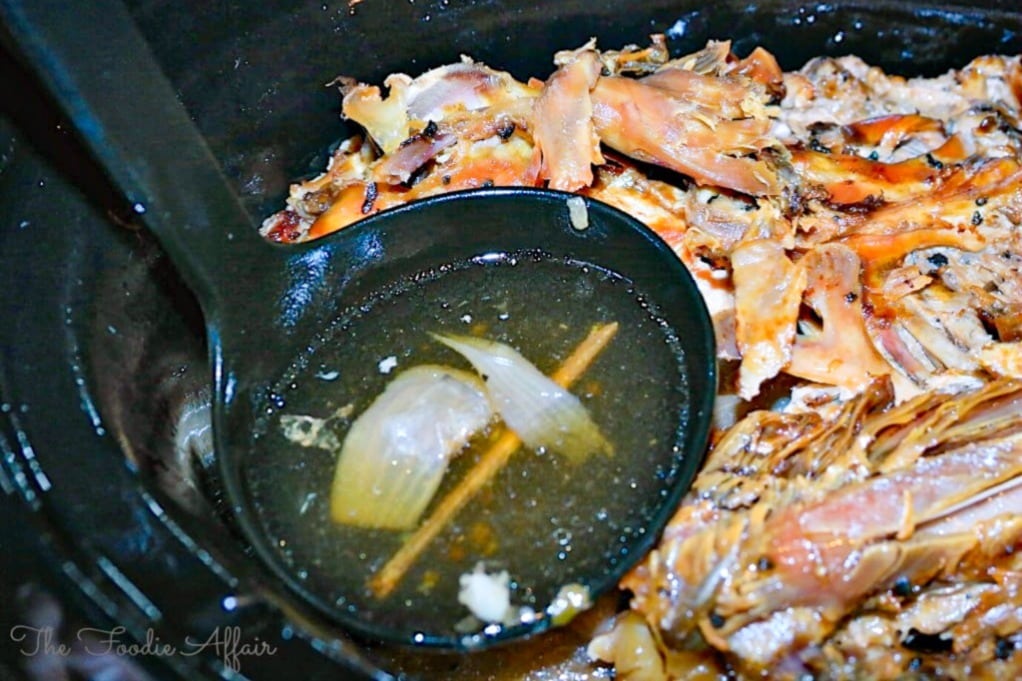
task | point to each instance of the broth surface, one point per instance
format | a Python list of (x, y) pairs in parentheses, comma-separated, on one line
[(544, 520)]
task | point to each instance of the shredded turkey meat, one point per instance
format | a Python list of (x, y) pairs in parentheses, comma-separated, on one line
[(856, 238)]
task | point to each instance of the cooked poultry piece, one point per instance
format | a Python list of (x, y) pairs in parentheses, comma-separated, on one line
[(799, 525), (856, 237), (838, 153)]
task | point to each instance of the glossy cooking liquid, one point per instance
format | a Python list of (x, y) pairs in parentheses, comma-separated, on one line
[(546, 521)]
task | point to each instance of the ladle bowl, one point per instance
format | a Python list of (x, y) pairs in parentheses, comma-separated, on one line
[(265, 305)]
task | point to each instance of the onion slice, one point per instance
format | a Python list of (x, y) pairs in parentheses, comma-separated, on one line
[(542, 413), (397, 451)]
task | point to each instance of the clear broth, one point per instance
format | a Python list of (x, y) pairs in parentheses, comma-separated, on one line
[(546, 521)]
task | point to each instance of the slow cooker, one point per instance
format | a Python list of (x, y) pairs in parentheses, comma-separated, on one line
[(116, 558)]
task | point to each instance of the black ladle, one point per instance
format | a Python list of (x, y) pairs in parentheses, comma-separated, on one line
[(264, 303)]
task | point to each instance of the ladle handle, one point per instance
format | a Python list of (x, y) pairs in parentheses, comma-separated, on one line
[(100, 69)]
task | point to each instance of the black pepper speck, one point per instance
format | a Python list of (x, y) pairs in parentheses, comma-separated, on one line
[(927, 643)]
